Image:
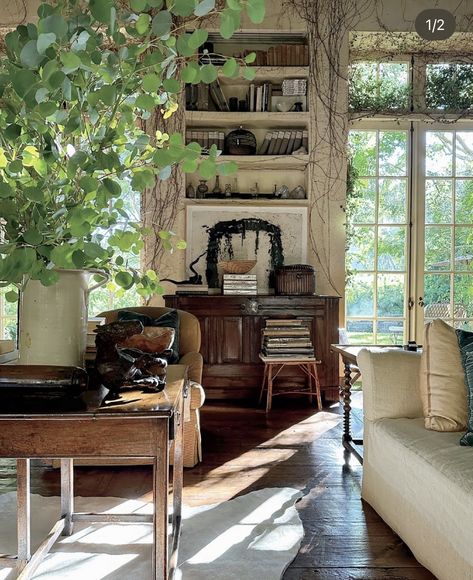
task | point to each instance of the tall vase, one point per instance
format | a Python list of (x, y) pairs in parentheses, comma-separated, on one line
[(53, 319)]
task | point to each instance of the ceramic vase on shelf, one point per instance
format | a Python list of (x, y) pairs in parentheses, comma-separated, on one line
[(53, 319), (202, 189), (217, 189)]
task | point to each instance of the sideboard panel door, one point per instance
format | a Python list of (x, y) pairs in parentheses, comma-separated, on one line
[(231, 339)]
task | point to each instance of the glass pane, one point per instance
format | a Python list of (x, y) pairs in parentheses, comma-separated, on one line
[(463, 249), (360, 255), (378, 86), (392, 153), (438, 248), (391, 294), (439, 153), (363, 151), (364, 201), (360, 331), (437, 296), (464, 325), (110, 297), (10, 329), (360, 295), (464, 153), (391, 248), (392, 201), (438, 201), (463, 296), (390, 332), (464, 201), (449, 86)]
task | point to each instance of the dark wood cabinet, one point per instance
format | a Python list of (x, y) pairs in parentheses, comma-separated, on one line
[(231, 339)]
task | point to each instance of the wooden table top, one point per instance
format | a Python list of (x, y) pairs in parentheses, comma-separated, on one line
[(92, 404)]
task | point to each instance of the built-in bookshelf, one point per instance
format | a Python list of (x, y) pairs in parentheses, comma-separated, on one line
[(273, 107)]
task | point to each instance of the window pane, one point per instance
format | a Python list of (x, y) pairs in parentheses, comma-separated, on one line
[(438, 248), (438, 201), (392, 201), (360, 295), (436, 293), (439, 153), (449, 86), (463, 295), (391, 248), (392, 153), (10, 329), (360, 255), (463, 249), (464, 201), (360, 331), (111, 297), (390, 332), (390, 295), (378, 86), (364, 201), (363, 151), (464, 153)]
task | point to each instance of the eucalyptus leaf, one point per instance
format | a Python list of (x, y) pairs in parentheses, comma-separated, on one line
[(204, 7), (162, 23), (29, 56), (54, 24), (142, 24), (183, 7), (256, 10), (208, 73), (44, 41)]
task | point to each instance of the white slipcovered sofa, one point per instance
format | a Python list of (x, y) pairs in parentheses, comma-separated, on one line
[(419, 481)]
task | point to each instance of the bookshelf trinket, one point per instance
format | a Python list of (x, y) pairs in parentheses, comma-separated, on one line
[(240, 142), (202, 189)]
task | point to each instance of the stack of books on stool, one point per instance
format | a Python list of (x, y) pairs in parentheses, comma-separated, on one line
[(240, 284), (286, 339)]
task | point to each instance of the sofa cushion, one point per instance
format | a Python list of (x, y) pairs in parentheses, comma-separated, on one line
[(442, 379), (169, 319), (421, 483), (465, 341)]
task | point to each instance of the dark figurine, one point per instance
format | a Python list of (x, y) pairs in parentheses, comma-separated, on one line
[(121, 367)]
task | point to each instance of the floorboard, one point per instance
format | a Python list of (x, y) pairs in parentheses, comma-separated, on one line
[(245, 450)]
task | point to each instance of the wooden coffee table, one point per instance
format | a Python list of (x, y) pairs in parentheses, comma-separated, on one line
[(140, 425)]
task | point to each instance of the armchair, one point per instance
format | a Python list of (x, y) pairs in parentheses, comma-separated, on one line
[(189, 346)]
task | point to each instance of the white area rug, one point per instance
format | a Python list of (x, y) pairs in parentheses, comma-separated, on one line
[(254, 536)]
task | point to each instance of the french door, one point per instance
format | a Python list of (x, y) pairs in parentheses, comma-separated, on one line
[(410, 246)]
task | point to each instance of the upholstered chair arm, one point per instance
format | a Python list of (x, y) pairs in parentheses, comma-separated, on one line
[(195, 363), (390, 383)]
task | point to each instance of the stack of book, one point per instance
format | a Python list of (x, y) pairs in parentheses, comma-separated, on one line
[(240, 284), (284, 142), (280, 55), (259, 97), (206, 139), (192, 289), (288, 338), (92, 324)]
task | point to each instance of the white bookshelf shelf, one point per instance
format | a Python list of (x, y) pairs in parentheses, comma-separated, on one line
[(238, 201), (295, 162), (249, 119)]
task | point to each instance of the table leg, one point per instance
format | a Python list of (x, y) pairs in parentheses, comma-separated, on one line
[(67, 494), (177, 481), (23, 512), (263, 384), (160, 500), (346, 394), (315, 376), (269, 395)]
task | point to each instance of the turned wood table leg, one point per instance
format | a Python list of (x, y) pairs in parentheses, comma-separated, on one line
[(263, 384), (67, 494), (23, 512), (346, 394)]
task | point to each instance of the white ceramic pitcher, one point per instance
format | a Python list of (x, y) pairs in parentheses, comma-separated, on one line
[(53, 319)]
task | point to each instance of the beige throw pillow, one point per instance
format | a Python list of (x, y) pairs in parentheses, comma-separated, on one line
[(442, 379)]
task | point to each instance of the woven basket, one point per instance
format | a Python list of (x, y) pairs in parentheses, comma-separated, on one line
[(237, 266)]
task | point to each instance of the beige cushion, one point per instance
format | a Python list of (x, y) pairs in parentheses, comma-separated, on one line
[(442, 379)]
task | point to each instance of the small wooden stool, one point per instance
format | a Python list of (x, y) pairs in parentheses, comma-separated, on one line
[(272, 368)]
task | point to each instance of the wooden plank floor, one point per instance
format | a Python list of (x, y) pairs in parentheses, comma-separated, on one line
[(294, 446)]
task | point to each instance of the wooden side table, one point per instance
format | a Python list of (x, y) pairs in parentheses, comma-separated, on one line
[(139, 425), (272, 368)]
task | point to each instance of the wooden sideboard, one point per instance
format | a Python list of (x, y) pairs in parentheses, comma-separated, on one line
[(231, 339)]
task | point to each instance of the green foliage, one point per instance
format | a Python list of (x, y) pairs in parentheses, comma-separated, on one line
[(378, 87), (449, 87), (75, 89)]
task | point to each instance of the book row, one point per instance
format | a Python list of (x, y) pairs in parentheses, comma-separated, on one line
[(285, 142), (280, 55), (207, 138)]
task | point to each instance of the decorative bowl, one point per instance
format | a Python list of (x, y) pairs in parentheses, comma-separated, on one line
[(154, 339), (237, 266)]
